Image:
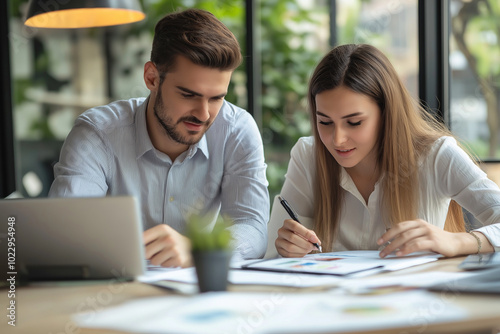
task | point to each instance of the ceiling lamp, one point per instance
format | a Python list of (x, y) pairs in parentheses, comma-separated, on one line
[(82, 13)]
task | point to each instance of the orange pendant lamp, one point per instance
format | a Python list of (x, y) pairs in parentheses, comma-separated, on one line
[(69, 14)]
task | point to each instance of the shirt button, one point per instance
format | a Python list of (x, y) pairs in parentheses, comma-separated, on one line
[(171, 199)]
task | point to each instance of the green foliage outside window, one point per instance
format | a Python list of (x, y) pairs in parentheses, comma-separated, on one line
[(287, 64), (476, 33)]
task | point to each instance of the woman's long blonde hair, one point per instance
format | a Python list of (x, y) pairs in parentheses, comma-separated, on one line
[(407, 131)]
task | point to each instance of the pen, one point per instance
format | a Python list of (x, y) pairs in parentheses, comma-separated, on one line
[(292, 214)]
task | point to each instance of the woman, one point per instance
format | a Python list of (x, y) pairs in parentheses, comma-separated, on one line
[(379, 170)]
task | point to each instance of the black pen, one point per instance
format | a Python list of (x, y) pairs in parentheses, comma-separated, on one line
[(292, 214)]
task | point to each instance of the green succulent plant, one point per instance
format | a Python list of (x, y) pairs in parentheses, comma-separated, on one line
[(205, 239)]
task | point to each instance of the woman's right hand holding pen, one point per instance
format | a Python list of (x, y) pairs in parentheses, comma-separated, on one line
[(295, 240)]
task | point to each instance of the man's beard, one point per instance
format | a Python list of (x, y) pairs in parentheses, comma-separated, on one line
[(171, 129)]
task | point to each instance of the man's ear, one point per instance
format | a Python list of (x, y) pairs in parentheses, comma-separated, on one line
[(151, 76)]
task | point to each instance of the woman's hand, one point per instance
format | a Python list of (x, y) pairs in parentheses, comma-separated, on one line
[(295, 240), (418, 235)]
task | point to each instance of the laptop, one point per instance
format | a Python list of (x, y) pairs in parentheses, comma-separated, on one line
[(483, 281), (481, 261), (75, 238)]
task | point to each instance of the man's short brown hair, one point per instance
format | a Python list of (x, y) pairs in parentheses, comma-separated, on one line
[(197, 35)]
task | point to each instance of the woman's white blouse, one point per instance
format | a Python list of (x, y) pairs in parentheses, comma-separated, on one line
[(447, 173)]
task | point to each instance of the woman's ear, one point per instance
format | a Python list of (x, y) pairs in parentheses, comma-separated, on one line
[(151, 76)]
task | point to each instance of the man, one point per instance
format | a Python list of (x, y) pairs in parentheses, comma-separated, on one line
[(183, 150)]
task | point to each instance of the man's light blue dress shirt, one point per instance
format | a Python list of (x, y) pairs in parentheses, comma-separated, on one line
[(109, 153)]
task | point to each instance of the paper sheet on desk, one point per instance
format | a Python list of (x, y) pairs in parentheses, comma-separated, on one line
[(342, 263), (236, 276), (178, 274), (272, 313)]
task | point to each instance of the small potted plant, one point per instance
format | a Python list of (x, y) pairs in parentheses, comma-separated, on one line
[(211, 251)]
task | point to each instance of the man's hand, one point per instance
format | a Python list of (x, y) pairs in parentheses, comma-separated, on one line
[(166, 247)]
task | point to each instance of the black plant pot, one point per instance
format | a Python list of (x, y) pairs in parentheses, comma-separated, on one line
[(212, 268)]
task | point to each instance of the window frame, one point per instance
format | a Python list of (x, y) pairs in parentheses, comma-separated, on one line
[(433, 49), (7, 144)]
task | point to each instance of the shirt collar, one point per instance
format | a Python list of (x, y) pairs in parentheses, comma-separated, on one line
[(143, 143), (201, 145), (348, 184)]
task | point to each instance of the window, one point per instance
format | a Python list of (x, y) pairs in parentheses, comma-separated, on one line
[(391, 26), (475, 75), (57, 74), (294, 35)]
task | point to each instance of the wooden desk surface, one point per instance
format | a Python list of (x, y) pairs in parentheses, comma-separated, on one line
[(47, 308)]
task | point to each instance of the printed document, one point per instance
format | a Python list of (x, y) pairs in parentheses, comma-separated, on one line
[(342, 263)]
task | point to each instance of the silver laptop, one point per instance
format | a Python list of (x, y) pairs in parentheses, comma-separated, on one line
[(76, 238), (483, 281)]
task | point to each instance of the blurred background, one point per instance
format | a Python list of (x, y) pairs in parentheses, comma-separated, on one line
[(446, 52)]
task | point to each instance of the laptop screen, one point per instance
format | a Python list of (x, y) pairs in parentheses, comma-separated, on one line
[(76, 238)]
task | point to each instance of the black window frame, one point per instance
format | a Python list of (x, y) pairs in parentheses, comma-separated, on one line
[(7, 144), (433, 49)]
